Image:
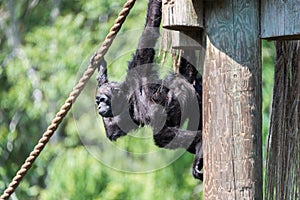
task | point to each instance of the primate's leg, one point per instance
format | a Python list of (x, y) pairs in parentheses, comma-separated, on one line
[(172, 138), (198, 162)]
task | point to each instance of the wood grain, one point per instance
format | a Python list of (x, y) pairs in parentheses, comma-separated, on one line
[(187, 39), (182, 14), (280, 19), (232, 101)]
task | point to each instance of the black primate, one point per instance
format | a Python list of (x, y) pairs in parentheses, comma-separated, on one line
[(143, 99)]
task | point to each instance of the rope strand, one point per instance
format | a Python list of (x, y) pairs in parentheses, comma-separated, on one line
[(96, 59)]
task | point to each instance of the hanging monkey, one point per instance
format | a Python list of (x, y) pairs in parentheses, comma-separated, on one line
[(144, 99)]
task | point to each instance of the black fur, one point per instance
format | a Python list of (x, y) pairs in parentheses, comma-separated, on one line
[(143, 99)]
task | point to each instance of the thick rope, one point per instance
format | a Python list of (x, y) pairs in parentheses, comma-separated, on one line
[(96, 59)]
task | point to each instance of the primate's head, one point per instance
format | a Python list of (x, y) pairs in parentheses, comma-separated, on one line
[(108, 99), (103, 102)]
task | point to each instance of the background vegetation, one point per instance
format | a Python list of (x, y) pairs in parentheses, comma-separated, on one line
[(43, 45)]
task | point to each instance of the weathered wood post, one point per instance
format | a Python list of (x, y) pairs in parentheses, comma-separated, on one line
[(280, 19), (232, 101), (231, 91), (185, 19), (182, 14)]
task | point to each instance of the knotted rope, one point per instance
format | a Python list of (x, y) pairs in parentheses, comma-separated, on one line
[(96, 59)]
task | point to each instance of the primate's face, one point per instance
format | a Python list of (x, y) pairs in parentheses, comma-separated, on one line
[(103, 103), (108, 100)]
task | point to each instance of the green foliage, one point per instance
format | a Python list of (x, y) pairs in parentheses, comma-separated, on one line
[(36, 76), (268, 81), (268, 58), (56, 39), (75, 174)]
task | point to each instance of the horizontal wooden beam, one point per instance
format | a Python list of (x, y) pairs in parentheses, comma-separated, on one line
[(280, 19), (186, 39), (182, 14)]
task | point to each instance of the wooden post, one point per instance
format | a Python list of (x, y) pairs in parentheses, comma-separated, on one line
[(182, 14), (185, 18), (187, 39), (232, 101), (280, 19)]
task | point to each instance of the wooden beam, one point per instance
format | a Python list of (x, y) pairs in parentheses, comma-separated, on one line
[(187, 39), (280, 19), (182, 14), (185, 19), (232, 101)]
